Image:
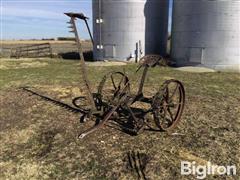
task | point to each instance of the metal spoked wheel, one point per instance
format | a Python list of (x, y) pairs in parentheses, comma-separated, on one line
[(114, 87), (168, 105)]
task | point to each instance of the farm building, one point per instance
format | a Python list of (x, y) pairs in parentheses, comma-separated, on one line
[(205, 33), (129, 29)]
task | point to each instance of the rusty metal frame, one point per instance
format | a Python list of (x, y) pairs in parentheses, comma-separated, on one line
[(121, 99), (73, 27)]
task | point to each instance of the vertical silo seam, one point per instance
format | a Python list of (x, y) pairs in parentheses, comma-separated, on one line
[(124, 31)]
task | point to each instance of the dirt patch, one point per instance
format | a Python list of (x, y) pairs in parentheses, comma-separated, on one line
[(196, 69), (52, 140), (3, 67), (25, 170), (60, 91), (184, 154), (33, 64), (18, 42), (107, 63), (23, 65), (39, 136), (6, 60), (44, 142)]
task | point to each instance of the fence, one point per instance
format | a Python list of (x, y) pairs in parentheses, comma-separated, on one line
[(32, 51)]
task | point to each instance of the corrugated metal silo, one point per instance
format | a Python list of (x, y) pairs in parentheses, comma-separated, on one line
[(206, 32), (124, 29)]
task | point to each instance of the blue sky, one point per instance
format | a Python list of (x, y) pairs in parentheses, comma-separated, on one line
[(28, 19)]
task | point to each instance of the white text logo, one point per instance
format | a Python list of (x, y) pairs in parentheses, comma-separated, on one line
[(201, 171)]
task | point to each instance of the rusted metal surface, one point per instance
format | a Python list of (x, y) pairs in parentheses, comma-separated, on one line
[(171, 95), (84, 18), (114, 100), (89, 31), (86, 83)]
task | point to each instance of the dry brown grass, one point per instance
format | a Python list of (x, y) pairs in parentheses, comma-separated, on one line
[(25, 42), (38, 137)]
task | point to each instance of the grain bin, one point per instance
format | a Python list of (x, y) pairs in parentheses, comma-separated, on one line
[(129, 29), (206, 33)]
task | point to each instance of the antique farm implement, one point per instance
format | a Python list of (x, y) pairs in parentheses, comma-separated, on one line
[(115, 100)]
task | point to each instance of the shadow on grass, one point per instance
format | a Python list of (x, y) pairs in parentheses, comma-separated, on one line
[(121, 121), (137, 163), (56, 102), (88, 56)]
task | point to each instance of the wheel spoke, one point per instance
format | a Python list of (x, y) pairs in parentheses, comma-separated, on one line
[(165, 112), (113, 82), (119, 84), (175, 90), (117, 89), (170, 113), (166, 94), (170, 99)]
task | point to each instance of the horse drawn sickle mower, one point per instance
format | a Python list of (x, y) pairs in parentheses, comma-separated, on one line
[(113, 98)]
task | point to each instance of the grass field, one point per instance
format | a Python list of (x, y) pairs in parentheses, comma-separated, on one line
[(14, 42), (58, 47), (38, 139)]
